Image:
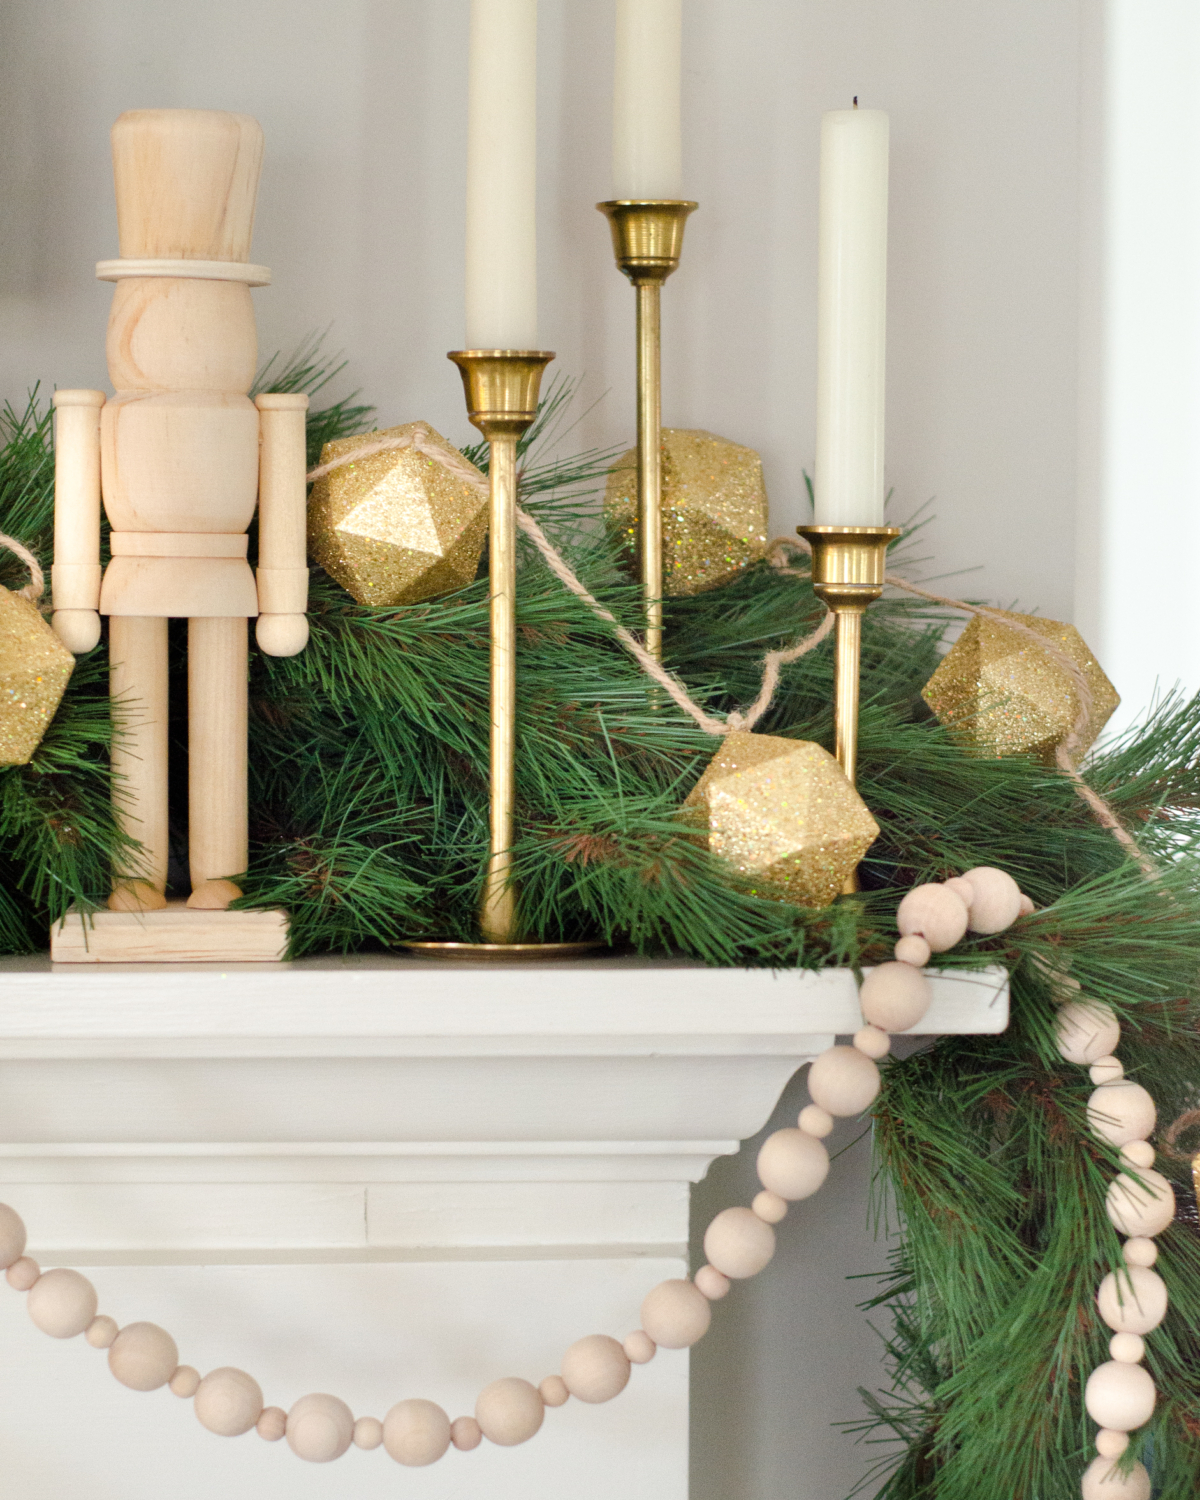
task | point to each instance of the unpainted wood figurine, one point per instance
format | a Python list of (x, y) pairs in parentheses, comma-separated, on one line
[(180, 454)]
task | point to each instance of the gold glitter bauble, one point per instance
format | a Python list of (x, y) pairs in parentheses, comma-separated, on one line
[(783, 814), (714, 509), (34, 670), (1004, 694), (396, 527)]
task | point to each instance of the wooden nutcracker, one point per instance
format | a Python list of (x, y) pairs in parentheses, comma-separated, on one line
[(180, 454)]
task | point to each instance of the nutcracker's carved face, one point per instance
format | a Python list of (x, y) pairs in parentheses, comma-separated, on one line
[(181, 335)]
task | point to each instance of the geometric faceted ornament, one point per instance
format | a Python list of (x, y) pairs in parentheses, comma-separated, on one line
[(784, 815), (714, 509), (34, 669), (396, 527), (1001, 693)]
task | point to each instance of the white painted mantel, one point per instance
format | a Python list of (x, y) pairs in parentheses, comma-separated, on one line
[(383, 1177)]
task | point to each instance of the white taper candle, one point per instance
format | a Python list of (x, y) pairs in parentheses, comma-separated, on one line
[(851, 318), (647, 150), (502, 176)]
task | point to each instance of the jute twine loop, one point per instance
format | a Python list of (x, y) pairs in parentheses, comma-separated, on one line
[(36, 586)]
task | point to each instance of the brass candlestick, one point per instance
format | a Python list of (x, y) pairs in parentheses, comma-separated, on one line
[(647, 237)]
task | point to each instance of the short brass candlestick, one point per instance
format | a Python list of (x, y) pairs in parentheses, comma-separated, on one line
[(647, 237)]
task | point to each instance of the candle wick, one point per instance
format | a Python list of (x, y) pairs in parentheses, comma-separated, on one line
[(856, 101)]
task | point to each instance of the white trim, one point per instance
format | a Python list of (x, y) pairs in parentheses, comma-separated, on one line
[(194, 270)]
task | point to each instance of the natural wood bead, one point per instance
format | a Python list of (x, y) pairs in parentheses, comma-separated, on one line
[(676, 1314), (895, 996), (272, 1424), (843, 1081), (814, 1120), (22, 1274), (912, 950), (1106, 1070), (1133, 1300), (12, 1236), (465, 1434), (1140, 1251), (416, 1432), (228, 1402), (769, 1207), (320, 1428), (995, 901), (509, 1411), (1142, 1207), (1119, 1396), (1102, 1480), (738, 1243), (934, 913), (872, 1042), (368, 1432), (791, 1164), (1121, 1112), (1087, 1030), (595, 1368), (186, 1382), (1027, 906), (712, 1283), (553, 1390), (1137, 1154), (1127, 1348), (62, 1303), (960, 887), (1110, 1444), (639, 1347), (101, 1331), (143, 1356)]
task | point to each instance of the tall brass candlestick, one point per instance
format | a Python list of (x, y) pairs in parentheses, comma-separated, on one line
[(647, 239)]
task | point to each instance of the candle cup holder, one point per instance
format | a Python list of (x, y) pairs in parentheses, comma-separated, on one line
[(647, 237), (848, 564)]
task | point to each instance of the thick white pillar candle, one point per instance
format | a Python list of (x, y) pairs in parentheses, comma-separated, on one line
[(502, 176), (647, 150), (851, 318)]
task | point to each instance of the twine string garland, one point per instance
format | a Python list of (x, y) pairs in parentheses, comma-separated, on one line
[(36, 586)]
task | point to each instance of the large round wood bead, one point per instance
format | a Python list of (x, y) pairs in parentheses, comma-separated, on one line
[(1133, 1300), (509, 1411), (676, 1314), (416, 1432), (595, 1368), (1142, 1206), (62, 1303), (1119, 1396), (320, 1428), (934, 913), (1121, 1112), (738, 1243), (272, 1424), (465, 1434), (843, 1081), (228, 1402), (1102, 1480), (995, 900), (1087, 1031), (895, 996), (143, 1356), (792, 1164), (12, 1236)]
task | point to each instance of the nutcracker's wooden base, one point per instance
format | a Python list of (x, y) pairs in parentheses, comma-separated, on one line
[(176, 934)]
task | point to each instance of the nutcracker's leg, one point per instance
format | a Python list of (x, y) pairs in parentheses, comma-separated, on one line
[(218, 835), (138, 682)]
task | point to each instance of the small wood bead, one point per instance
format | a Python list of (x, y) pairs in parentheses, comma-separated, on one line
[(1121, 1112), (769, 1207), (712, 1283), (843, 1081), (1140, 1251), (228, 1402), (1133, 1300), (595, 1368), (996, 900), (12, 1236), (368, 1432), (895, 996), (465, 1434), (415, 1432), (186, 1382), (738, 1243), (676, 1314), (962, 888), (272, 1424), (1087, 1030), (1127, 1348), (913, 950), (22, 1274), (62, 1303), (143, 1356), (1142, 1207), (640, 1347), (1102, 1480), (1106, 1070), (509, 1411), (101, 1331), (934, 913), (1137, 1154), (1110, 1444), (320, 1428), (814, 1120), (1119, 1396), (872, 1042), (791, 1164), (1027, 905), (553, 1390)]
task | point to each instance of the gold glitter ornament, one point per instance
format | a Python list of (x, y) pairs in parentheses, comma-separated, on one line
[(35, 667), (783, 814), (714, 509), (1004, 694), (396, 527)]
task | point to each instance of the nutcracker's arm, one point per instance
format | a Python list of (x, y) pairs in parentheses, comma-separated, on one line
[(75, 576), (282, 628)]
